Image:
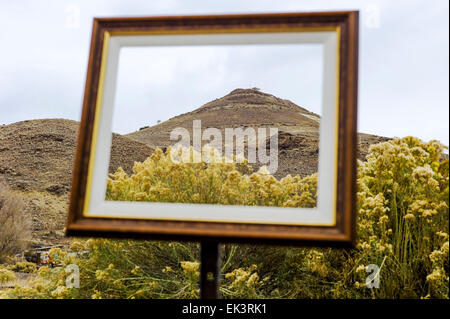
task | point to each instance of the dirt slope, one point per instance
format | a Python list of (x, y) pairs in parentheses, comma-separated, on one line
[(36, 160), (298, 128), (36, 156)]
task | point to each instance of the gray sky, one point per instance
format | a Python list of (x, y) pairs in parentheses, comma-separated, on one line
[(404, 59), (162, 82)]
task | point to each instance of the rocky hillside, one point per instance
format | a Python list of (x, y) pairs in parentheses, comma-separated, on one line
[(240, 108), (36, 159), (38, 154), (298, 128)]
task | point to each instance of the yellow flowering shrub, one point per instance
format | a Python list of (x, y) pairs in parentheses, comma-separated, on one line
[(403, 227), (242, 283), (23, 266), (404, 185), (6, 275), (162, 179), (77, 246)]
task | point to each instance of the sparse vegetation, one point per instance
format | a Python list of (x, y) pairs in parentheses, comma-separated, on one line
[(14, 225), (6, 276), (161, 179), (23, 266), (403, 227)]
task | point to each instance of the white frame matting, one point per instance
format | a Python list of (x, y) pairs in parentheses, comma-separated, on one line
[(324, 214)]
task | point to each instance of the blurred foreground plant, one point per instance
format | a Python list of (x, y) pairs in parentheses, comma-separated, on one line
[(14, 224), (403, 201)]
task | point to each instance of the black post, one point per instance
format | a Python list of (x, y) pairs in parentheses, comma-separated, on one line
[(209, 270)]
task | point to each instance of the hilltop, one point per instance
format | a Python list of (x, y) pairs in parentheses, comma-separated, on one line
[(240, 108), (298, 128)]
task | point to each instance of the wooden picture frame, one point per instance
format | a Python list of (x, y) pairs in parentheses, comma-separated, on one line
[(341, 233)]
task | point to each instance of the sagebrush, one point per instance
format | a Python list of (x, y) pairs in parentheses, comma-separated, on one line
[(14, 224), (403, 221)]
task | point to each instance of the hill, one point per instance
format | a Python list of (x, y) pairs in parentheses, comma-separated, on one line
[(38, 154), (298, 139), (36, 159)]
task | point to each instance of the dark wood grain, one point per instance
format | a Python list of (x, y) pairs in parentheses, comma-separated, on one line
[(341, 235)]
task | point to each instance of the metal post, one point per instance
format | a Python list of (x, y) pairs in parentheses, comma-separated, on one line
[(209, 270)]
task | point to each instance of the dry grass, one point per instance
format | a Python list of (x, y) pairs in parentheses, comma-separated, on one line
[(14, 224)]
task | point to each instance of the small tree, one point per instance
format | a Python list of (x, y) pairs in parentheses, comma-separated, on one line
[(14, 225)]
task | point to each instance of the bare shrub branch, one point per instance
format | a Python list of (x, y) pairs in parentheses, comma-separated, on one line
[(14, 224)]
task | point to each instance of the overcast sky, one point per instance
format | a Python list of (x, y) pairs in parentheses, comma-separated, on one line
[(162, 82), (404, 61)]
